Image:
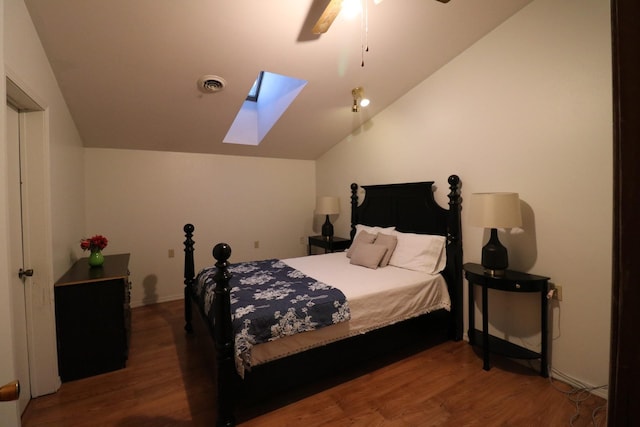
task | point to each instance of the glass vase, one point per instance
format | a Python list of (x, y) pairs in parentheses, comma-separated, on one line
[(96, 259)]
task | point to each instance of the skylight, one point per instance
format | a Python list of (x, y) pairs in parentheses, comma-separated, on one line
[(273, 95)]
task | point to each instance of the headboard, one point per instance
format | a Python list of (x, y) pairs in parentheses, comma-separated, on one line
[(411, 208)]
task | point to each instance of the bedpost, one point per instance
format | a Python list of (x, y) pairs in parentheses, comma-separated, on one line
[(223, 335), (454, 257), (354, 210), (189, 274)]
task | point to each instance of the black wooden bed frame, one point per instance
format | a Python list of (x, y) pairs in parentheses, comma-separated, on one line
[(409, 207)]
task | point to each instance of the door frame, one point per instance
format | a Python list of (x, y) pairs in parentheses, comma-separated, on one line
[(38, 241), (624, 373)]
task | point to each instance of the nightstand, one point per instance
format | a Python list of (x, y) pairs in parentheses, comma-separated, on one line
[(511, 281), (329, 244)]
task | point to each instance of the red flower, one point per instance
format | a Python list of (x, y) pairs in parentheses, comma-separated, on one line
[(94, 243)]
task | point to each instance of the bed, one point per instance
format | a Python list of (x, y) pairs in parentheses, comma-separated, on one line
[(400, 236)]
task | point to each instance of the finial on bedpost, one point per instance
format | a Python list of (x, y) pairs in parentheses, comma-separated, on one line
[(223, 335), (454, 181), (188, 250), (454, 199), (189, 274), (221, 252), (354, 210)]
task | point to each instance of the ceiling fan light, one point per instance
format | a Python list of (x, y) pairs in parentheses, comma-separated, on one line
[(359, 100), (351, 9)]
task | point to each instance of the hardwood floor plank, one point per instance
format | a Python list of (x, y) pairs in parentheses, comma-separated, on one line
[(168, 382)]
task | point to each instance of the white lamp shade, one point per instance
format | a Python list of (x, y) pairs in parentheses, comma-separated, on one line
[(328, 205), (495, 210)]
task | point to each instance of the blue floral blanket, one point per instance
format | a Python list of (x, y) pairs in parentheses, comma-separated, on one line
[(270, 300)]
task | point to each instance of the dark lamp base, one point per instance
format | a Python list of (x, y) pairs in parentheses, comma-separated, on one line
[(327, 228), (494, 256)]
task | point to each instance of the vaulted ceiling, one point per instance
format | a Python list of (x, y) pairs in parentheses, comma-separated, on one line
[(128, 69)]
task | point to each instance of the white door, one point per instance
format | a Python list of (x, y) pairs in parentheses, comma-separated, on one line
[(17, 257)]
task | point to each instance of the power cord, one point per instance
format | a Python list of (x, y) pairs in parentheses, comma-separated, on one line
[(577, 394)]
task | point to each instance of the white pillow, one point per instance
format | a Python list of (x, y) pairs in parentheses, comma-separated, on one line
[(419, 252), (374, 230)]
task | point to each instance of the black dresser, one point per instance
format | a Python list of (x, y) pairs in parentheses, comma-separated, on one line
[(93, 317)]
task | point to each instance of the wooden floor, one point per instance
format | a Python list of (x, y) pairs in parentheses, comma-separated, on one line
[(167, 383)]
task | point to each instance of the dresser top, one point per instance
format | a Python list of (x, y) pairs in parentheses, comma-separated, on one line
[(114, 267)]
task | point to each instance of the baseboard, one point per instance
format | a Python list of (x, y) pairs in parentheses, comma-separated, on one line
[(168, 298), (599, 391)]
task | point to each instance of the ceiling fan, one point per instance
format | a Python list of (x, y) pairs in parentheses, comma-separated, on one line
[(329, 15)]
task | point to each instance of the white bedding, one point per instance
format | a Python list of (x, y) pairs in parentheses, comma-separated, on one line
[(377, 298)]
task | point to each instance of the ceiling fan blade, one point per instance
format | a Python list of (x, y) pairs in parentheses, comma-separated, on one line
[(327, 17)]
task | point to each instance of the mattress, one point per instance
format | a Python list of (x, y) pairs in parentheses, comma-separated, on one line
[(377, 298)]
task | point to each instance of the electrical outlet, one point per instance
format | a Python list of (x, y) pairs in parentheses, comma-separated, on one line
[(557, 292), (256, 244), (303, 241), (172, 253)]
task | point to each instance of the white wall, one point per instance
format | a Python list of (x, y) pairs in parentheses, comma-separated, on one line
[(140, 200), (27, 63), (526, 109)]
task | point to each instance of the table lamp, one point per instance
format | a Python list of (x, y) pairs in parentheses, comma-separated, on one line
[(495, 210), (327, 206)]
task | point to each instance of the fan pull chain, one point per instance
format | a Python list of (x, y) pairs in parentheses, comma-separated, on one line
[(364, 35)]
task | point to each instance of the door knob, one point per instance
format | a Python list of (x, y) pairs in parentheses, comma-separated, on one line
[(10, 391), (22, 273)]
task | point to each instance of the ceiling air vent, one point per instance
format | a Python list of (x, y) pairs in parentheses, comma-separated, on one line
[(210, 84)]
